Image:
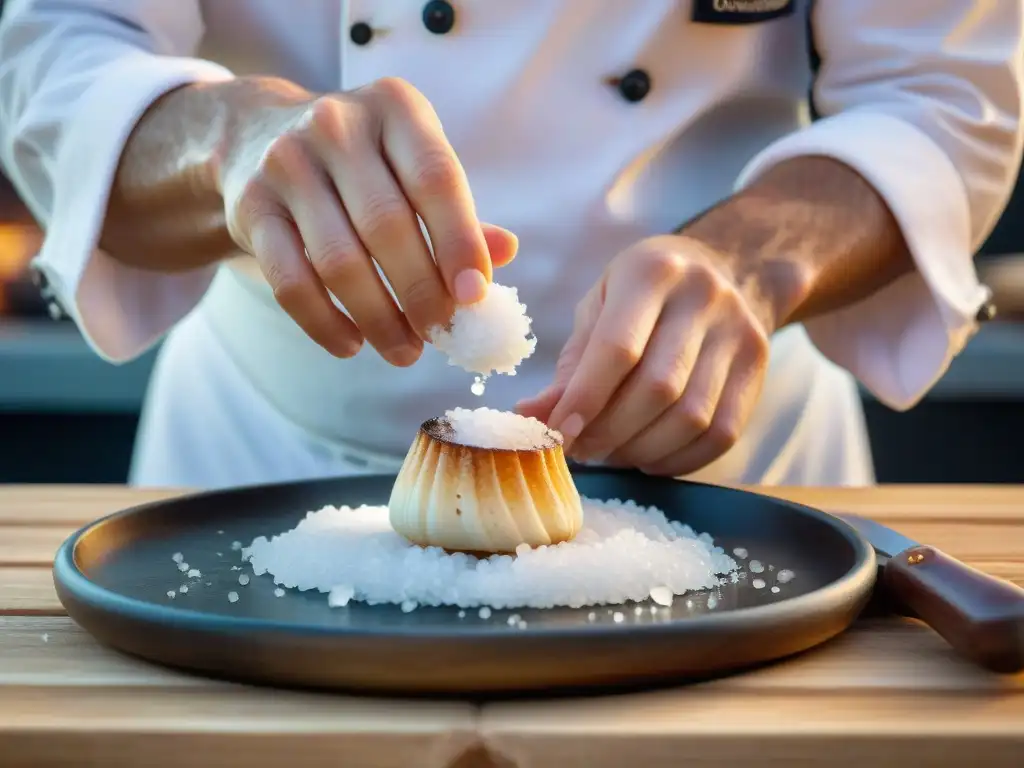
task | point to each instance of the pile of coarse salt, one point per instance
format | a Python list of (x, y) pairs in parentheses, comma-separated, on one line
[(624, 552), (490, 429), (490, 336)]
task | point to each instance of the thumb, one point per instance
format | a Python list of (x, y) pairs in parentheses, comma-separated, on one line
[(501, 244)]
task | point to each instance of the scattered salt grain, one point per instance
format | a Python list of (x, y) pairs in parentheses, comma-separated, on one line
[(756, 566), (622, 552), (183, 588), (462, 614), (776, 590), (618, 618), (340, 596), (236, 545), (712, 602), (591, 616), (785, 576), (194, 573), (280, 593), (182, 567), (178, 557), (478, 386), (171, 594), (661, 595), (220, 533), (408, 606), (46, 637), (219, 554), (514, 619), (232, 597), (243, 579), (521, 625), (492, 335), (758, 583), (741, 553), (236, 568), (489, 428), (638, 611)]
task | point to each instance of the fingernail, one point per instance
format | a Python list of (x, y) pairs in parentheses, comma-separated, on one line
[(572, 426), (470, 286)]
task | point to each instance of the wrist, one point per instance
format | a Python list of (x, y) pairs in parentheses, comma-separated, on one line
[(746, 243), (249, 113)]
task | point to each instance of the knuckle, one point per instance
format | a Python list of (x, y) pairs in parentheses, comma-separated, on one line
[(437, 173), (285, 158), (662, 265), (380, 216), (396, 93), (331, 123), (695, 415), (623, 353), (423, 297), (288, 288), (724, 433), (336, 260), (663, 390)]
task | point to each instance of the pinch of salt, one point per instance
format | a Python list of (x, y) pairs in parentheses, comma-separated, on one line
[(492, 335)]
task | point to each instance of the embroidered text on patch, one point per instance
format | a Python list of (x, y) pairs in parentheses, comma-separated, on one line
[(740, 11)]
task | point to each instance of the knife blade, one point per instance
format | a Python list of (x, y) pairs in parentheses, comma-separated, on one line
[(980, 616)]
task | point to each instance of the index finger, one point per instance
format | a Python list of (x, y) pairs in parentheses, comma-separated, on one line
[(435, 182), (616, 345)]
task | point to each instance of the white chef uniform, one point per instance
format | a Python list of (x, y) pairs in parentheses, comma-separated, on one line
[(584, 126)]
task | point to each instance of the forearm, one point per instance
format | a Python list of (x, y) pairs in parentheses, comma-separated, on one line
[(166, 208), (808, 237)]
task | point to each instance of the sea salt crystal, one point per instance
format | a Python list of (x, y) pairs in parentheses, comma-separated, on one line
[(194, 573), (638, 611), (618, 618), (462, 614), (758, 583), (178, 557), (408, 606), (490, 336), (756, 566), (776, 590), (741, 553), (340, 595), (46, 637), (171, 594), (280, 593), (622, 553), (784, 576), (514, 619), (183, 588), (591, 616), (662, 595), (712, 602), (489, 428), (243, 579), (182, 567), (232, 597)]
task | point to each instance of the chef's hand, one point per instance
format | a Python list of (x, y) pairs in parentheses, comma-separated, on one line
[(341, 179), (665, 362)]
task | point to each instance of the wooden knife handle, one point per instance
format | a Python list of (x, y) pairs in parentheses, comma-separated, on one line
[(981, 616)]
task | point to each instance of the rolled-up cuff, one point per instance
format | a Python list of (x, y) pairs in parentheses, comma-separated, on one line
[(120, 310), (899, 341)]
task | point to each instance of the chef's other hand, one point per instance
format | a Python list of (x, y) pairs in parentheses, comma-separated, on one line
[(665, 362), (323, 189)]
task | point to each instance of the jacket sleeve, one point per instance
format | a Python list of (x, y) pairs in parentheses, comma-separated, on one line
[(75, 77), (923, 99)]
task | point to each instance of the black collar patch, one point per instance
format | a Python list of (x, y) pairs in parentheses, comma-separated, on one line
[(740, 11)]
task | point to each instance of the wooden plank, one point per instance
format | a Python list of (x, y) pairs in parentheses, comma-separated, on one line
[(875, 657), (30, 591), (23, 545), (70, 506), (112, 710), (707, 728)]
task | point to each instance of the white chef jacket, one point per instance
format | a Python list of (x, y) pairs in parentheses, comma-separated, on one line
[(921, 97)]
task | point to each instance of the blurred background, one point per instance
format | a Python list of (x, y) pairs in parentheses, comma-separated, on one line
[(68, 417)]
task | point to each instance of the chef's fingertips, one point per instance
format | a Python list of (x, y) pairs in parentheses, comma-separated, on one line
[(502, 244)]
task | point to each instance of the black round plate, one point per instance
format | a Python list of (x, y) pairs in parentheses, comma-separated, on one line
[(113, 577)]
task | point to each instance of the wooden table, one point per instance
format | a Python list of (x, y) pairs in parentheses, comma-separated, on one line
[(889, 691)]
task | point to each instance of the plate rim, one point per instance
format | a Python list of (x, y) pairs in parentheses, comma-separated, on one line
[(856, 583)]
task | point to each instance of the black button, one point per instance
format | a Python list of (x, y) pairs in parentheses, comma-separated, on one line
[(987, 313), (361, 33), (634, 86), (439, 17)]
